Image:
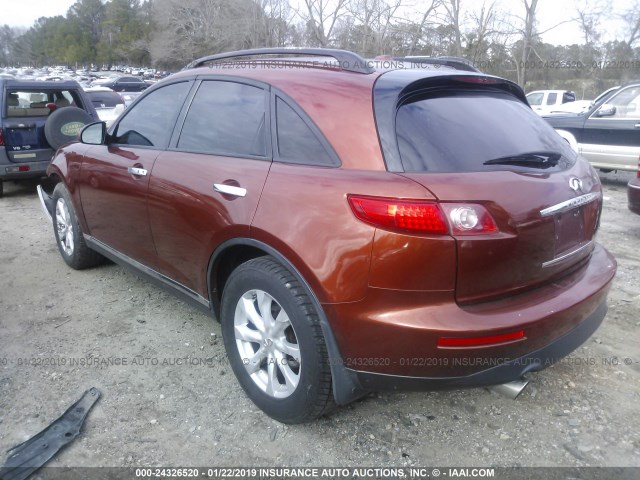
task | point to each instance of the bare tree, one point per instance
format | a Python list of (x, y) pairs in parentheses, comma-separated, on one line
[(374, 20), (428, 10), (632, 18), (320, 17), (527, 39), (453, 12), (589, 16), (484, 27)]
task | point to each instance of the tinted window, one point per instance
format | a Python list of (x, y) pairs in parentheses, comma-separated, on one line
[(151, 121), (105, 99), (130, 79), (457, 131), (226, 118), (551, 99), (296, 142)]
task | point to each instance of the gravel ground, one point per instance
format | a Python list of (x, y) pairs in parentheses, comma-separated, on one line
[(173, 400)]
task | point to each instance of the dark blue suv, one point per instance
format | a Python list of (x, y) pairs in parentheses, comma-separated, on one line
[(35, 119)]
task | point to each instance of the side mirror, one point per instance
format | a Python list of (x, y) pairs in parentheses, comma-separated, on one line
[(94, 133), (606, 111)]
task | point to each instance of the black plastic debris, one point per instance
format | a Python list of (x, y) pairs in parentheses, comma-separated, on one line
[(26, 458)]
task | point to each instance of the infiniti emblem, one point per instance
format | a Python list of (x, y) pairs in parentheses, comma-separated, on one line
[(575, 184)]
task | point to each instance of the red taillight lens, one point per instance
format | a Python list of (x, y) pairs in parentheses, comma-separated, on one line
[(412, 216), (637, 175), (418, 216), (480, 341), (483, 80), (1, 138)]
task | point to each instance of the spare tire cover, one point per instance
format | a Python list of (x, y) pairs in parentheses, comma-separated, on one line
[(64, 125)]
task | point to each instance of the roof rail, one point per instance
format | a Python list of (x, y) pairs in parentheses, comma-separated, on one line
[(458, 63), (349, 61)]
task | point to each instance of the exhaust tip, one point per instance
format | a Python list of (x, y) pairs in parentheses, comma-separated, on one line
[(511, 389)]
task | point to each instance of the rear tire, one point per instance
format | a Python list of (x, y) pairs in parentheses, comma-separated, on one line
[(68, 233), (274, 342)]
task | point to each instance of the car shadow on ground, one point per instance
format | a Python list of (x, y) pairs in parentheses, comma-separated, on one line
[(22, 188)]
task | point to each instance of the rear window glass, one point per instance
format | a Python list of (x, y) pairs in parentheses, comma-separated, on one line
[(33, 103), (105, 99), (551, 99), (457, 131)]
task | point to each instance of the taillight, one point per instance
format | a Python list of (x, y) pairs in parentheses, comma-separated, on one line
[(421, 216), (400, 215), (638, 174), (483, 80), (1, 138), (469, 219)]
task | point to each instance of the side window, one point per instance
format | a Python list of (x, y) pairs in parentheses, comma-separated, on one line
[(627, 103), (551, 99), (151, 121), (225, 118), (535, 99), (296, 142)]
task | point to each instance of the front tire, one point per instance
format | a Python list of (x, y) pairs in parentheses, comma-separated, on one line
[(71, 244), (274, 342)]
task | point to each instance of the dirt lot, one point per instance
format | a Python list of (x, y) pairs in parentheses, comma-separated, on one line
[(174, 401)]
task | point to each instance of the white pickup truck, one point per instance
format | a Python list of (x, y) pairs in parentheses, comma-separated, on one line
[(544, 102)]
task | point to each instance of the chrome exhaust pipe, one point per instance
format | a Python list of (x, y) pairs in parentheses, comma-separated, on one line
[(512, 389)]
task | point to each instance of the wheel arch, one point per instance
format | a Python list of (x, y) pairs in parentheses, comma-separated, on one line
[(232, 253)]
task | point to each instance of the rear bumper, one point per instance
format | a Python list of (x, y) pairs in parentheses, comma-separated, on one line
[(36, 169), (504, 370), (633, 195), (390, 340)]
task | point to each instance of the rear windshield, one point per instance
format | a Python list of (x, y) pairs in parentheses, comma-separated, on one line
[(105, 99), (33, 103), (458, 131)]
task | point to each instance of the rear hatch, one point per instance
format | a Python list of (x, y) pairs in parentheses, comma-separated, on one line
[(23, 121), (473, 140)]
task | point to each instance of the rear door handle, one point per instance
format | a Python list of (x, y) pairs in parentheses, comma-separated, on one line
[(141, 172), (230, 190)]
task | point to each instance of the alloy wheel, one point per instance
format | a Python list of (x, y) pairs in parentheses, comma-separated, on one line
[(267, 343)]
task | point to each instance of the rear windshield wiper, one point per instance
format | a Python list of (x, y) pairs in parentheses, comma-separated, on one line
[(532, 159)]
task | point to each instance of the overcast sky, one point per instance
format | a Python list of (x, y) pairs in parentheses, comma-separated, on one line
[(22, 13)]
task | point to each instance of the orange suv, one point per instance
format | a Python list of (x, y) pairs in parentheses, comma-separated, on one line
[(355, 225)]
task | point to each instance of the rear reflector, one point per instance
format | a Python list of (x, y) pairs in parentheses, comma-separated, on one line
[(411, 216), (480, 341), (20, 168), (1, 138)]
